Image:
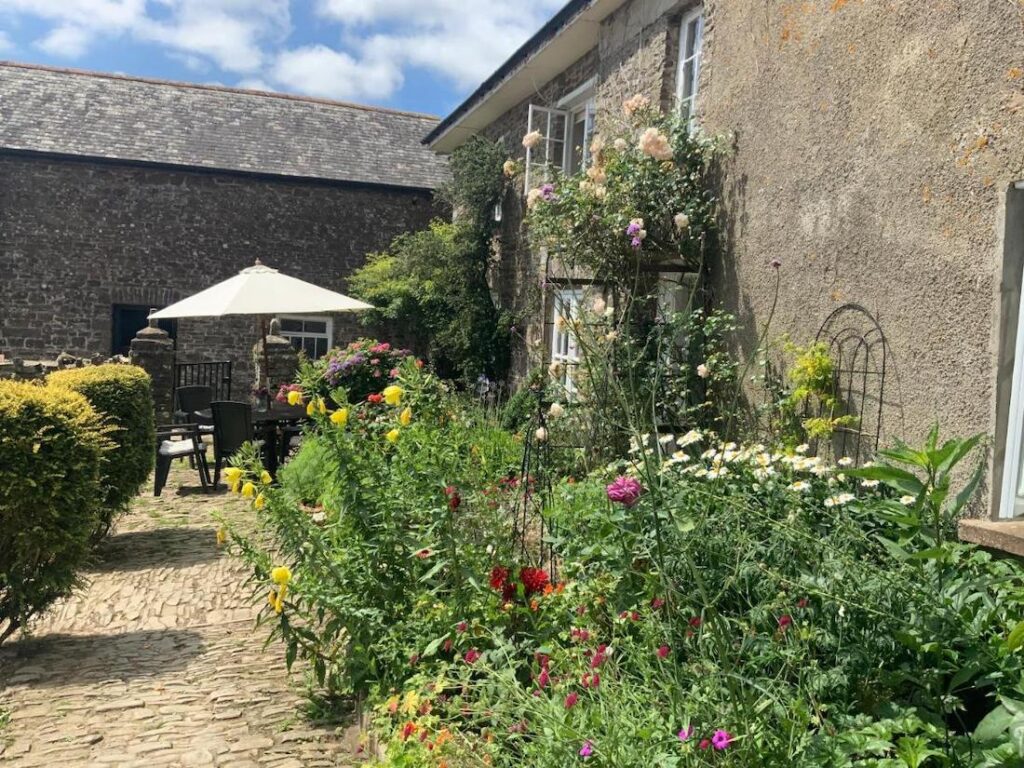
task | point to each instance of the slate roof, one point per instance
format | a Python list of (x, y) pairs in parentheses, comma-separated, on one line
[(90, 114)]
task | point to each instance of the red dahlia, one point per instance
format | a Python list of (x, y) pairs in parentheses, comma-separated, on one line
[(499, 575), (534, 580)]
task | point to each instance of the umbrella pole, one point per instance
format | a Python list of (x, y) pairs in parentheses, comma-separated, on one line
[(266, 360)]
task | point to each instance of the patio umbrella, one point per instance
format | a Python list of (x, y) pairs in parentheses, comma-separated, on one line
[(260, 290)]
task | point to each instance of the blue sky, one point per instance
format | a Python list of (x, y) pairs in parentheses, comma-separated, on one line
[(421, 55)]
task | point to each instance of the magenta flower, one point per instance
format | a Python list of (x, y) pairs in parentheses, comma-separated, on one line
[(624, 490), (547, 192), (571, 699), (587, 749), (471, 655), (685, 733), (784, 622), (721, 739), (664, 651)]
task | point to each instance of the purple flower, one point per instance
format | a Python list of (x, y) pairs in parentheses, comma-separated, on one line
[(624, 490), (636, 242), (587, 749), (633, 229), (685, 733), (721, 739), (547, 192)]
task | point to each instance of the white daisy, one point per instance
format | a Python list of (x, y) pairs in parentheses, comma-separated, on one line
[(908, 500), (799, 485), (802, 448), (693, 436), (846, 461), (869, 483)]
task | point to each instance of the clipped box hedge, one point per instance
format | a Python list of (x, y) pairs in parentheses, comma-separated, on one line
[(123, 396), (52, 447)]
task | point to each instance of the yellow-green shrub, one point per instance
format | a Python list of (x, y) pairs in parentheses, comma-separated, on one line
[(52, 447), (123, 396)]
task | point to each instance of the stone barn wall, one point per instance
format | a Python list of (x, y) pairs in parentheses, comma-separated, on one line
[(79, 236)]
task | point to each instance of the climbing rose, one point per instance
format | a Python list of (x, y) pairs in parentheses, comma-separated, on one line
[(721, 739), (532, 139), (703, 371), (635, 103), (534, 579), (682, 221), (655, 144), (625, 490)]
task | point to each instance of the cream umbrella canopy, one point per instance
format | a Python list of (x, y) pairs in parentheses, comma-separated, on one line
[(261, 290)]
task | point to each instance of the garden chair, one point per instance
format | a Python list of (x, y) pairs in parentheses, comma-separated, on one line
[(232, 428), (188, 400), (176, 441)]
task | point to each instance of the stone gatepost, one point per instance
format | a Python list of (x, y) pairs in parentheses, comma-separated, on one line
[(153, 350), (281, 359)]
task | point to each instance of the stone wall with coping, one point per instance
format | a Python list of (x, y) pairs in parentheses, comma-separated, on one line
[(79, 236)]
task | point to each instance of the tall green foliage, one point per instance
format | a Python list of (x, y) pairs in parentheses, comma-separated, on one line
[(433, 283)]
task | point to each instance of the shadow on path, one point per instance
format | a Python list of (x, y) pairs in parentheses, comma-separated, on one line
[(162, 547), (60, 660)]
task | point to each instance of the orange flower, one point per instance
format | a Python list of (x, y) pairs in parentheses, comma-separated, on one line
[(548, 589), (534, 605)]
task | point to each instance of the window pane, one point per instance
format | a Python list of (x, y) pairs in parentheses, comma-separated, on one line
[(692, 37), (289, 324), (688, 79), (579, 140), (315, 326), (321, 347)]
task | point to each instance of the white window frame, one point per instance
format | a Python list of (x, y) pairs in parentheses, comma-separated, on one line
[(1012, 475), (541, 119), (564, 345), (579, 102), (695, 14), (326, 319)]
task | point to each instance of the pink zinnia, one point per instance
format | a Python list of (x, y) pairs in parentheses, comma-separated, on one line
[(721, 739), (625, 490)]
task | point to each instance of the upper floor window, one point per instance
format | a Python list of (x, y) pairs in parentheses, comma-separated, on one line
[(565, 130), (691, 43), (311, 334)]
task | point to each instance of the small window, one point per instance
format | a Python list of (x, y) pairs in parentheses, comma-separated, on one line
[(312, 335), (691, 44), (564, 346), (550, 152)]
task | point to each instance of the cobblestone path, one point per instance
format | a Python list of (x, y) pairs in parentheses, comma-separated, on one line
[(156, 663)]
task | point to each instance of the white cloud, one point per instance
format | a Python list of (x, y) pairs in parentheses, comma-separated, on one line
[(463, 42), (322, 71), (65, 41), (364, 50)]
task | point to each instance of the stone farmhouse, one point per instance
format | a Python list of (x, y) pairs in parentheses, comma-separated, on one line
[(877, 150), (118, 195)]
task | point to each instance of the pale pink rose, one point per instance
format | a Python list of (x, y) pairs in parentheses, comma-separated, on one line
[(635, 103), (532, 139), (703, 371), (654, 143)]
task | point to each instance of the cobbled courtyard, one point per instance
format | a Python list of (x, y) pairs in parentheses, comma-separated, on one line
[(156, 661)]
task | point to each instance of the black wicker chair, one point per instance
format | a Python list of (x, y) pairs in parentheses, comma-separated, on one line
[(177, 441), (232, 428)]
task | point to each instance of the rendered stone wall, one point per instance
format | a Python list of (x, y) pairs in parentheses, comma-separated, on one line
[(875, 144), (77, 237)]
